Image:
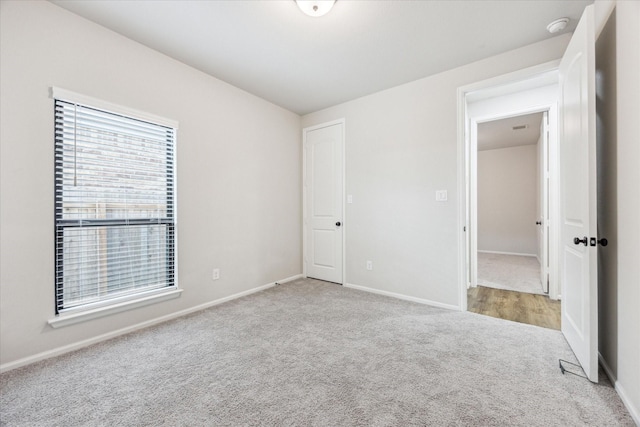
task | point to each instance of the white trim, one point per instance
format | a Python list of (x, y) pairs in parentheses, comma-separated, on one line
[(85, 343), (508, 253), (67, 95), (341, 121), (344, 200), (553, 200), (73, 317), (494, 86), (463, 201), (304, 203), (324, 125), (402, 297), (472, 152), (283, 281), (633, 411)]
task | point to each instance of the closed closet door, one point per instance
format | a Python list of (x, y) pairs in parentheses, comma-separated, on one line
[(323, 187)]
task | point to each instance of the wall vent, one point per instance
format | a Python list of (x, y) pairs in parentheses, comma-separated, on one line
[(520, 127)]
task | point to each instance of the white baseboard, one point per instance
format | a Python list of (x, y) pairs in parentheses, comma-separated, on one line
[(633, 411), (289, 279), (507, 253), (94, 340), (403, 297)]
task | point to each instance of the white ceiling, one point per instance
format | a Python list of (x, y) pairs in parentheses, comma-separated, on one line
[(500, 133), (304, 64)]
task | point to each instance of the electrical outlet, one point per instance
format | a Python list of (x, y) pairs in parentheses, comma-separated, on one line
[(369, 265), (216, 274)]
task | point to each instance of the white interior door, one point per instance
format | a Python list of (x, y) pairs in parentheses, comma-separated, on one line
[(543, 228), (473, 203), (578, 196), (323, 194)]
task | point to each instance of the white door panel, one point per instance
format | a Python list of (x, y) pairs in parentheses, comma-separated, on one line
[(578, 196), (322, 178), (543, 228), (323, 189), (573, 279), (323, 244)]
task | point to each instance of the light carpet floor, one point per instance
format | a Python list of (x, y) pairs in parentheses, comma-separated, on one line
[(308, 353), (509, 272)]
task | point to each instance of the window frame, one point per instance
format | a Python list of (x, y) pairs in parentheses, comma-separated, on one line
[(145, 295)]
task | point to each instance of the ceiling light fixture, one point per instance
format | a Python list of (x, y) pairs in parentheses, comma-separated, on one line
[(315, 8), (558, 25)]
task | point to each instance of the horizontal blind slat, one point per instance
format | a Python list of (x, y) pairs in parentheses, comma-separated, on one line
[(68, 138)]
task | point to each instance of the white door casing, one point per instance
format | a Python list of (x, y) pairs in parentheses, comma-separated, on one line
[(323, 188), (473, 204), (543, 228), (578, 196)]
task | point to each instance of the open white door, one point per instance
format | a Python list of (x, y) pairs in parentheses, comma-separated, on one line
[(323, 194), (578, 259), (543, 220)]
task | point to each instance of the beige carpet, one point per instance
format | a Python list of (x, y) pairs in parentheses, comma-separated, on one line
[(308, 353), (510, 272)]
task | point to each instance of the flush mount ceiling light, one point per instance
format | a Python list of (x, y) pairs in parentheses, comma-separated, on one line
[(315, 8), (557, 25)]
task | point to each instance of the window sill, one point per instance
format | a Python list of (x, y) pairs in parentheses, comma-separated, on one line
[(66, 319)]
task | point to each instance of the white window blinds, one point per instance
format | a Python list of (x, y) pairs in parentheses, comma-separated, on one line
[(114, 206)]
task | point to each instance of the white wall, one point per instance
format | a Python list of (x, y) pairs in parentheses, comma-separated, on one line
[(239, 171), (628, 128), (618, 111), (401, 146), (507, 199)]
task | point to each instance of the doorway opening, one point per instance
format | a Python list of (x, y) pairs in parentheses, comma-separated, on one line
[(512, 209), (510, 162), (510, 166)]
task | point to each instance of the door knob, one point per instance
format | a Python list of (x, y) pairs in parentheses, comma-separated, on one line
[(338, 224), (602, 242), (577, 240), (538, 222)]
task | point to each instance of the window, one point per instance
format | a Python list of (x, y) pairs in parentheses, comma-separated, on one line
[(115, 207)]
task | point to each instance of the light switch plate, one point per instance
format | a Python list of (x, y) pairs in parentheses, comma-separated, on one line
[(441, 195), (349, 198)]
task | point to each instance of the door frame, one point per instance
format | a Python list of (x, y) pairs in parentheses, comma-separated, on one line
[(544, 181), (519, 81), (341, 121)]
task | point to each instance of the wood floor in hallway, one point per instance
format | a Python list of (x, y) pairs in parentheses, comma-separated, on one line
[(520, 307)]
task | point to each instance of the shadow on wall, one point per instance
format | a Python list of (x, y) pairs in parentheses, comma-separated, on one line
[(607, 150)]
